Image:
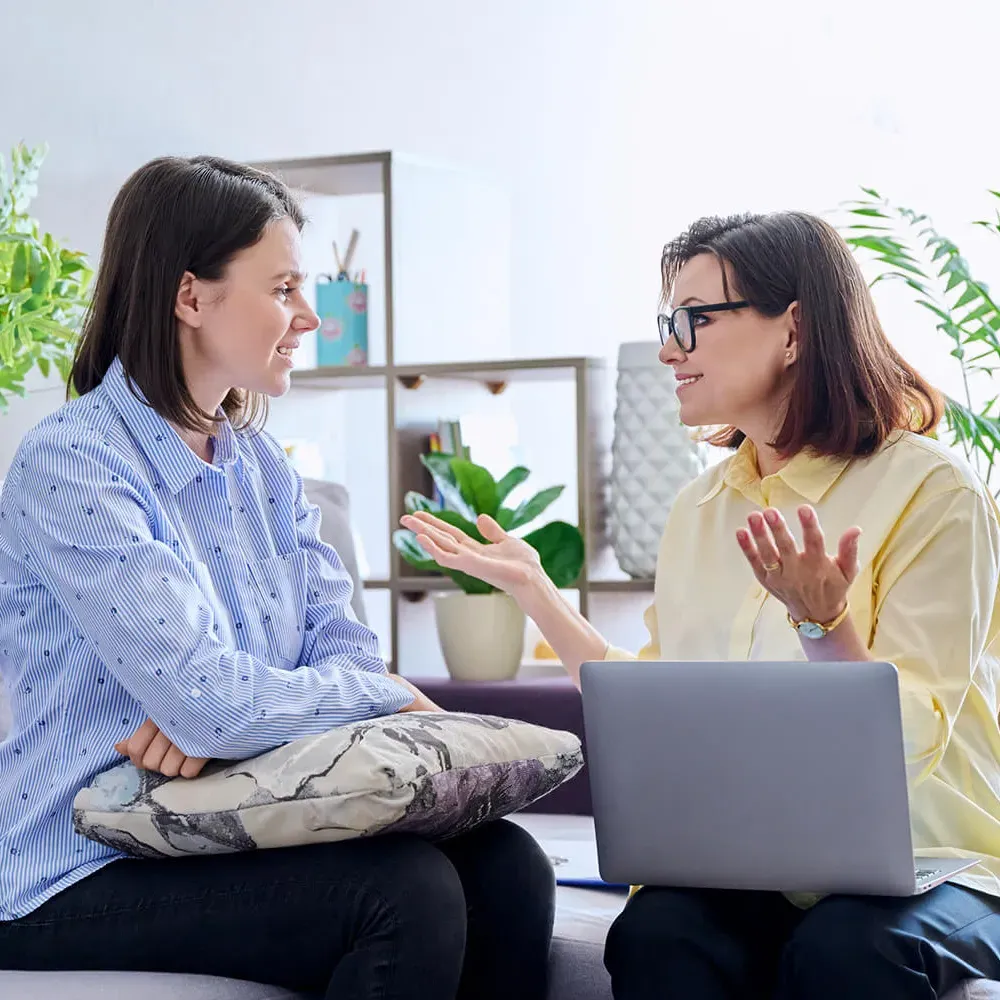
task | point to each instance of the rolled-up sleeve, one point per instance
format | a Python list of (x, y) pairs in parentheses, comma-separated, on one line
[(935, 594), (85, 527)]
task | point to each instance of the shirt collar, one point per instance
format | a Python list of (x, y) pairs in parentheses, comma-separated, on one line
[(808, 474), (176, 464)]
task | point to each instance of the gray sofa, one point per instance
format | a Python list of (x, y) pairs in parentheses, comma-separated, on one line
[(582, 916)]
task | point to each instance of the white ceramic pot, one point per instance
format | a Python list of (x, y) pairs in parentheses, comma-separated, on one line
[(652, 457), (481, 635)]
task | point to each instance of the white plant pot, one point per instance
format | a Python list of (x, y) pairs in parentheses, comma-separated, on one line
[(481, 635), (652, 457)]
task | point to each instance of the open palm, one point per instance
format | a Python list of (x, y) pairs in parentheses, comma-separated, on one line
[(506, 563)]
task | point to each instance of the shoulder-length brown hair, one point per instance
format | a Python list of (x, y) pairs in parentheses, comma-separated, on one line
[(173, 215), (851, 388)]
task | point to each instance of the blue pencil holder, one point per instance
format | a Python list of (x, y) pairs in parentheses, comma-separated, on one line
[(342, 307)]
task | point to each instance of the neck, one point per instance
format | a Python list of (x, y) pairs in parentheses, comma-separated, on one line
[(207, 396), (769, 461)]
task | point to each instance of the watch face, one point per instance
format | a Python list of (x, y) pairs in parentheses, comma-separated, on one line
[(811, 630)]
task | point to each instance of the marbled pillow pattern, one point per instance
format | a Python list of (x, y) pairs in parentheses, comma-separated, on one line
[(438, 775)]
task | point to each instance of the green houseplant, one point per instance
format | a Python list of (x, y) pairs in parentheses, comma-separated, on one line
[(904, 246), (43, 286), (481, 629)]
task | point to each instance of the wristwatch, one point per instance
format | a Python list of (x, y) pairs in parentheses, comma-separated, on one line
[(816, 630)]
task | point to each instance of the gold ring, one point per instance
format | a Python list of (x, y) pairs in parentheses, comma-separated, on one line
[(771, 567)]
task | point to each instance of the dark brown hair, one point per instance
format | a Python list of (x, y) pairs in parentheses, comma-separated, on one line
[(172, 215), (851, 388)]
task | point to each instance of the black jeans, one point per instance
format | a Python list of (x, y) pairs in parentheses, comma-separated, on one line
[(718, 944), (392, 917)]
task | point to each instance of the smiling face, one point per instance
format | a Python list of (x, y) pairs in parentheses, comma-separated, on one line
[(739, 372), (240, 332)]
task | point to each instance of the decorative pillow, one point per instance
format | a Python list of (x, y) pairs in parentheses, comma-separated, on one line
[(434, 774)]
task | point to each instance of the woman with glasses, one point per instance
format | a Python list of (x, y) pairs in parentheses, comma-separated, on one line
[(839, 529)]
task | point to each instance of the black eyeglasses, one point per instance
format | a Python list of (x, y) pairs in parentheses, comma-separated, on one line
[(680, 323)]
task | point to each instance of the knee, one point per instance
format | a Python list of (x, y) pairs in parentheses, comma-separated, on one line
[(845, 936), (652, 922), (506, 873), (412, 889), (509, 856)]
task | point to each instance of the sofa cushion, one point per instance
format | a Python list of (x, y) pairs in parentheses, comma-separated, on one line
[(147, 985), (434, 774), (335, 529)]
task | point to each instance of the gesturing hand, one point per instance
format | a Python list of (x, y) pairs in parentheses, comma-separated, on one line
[(809, 582), (507, 563), (150, 750)]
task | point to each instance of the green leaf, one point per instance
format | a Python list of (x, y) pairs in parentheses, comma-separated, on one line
[(19, 269), (969, 295), (561, 551), (870, 212), (504, 516), (477, 486), (439, 466), (44, 366), (530, 509), (510, 482), (414, 501)]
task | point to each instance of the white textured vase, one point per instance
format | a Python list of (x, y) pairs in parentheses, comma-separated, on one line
[(481, 635), (652, 457)]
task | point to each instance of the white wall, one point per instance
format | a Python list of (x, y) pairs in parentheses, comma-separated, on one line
[(612, 124)]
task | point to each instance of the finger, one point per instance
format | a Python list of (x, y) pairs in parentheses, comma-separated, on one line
[(152, 759), (441, 550), (746, 543), (138, 743), (489, 528), (192, 766), (762, 539), (813, 541), (847, 553), (122, 747), (784, 542), (172, 761), (423, 520), (447, 536)]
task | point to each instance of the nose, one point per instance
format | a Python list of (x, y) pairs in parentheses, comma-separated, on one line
[(670, 353), (306, 319)]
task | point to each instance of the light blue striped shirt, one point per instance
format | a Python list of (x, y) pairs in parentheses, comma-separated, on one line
[(136, 580)]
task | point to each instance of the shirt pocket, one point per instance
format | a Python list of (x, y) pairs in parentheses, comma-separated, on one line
[(281, 591)]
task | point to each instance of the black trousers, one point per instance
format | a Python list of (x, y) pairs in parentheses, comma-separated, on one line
[(670, 944), (391, 917)]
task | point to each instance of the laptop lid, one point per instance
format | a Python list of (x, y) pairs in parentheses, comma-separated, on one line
[(749, 775)]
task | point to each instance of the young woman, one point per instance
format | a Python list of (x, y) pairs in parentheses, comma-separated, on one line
[(772, 335), (164, 594)]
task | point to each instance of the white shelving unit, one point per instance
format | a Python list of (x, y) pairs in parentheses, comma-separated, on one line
[(439, 288)]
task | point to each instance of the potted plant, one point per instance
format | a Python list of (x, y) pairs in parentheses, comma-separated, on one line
[(904, 246), (481, 629), (43, 286)]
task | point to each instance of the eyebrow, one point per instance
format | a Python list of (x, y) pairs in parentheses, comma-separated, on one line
[(294, 275), (692, 298)]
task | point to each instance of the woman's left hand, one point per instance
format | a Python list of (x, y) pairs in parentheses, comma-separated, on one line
[(808, 581)]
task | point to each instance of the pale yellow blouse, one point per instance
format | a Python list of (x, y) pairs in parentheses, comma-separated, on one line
[(926, 599)]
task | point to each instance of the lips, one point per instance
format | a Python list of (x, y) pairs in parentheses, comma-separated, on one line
[(685, 380)]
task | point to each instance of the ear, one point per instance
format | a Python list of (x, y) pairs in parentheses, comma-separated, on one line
[(792, 314), (189, 306)]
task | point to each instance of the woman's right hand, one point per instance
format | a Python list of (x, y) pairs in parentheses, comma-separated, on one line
[(507, 563)]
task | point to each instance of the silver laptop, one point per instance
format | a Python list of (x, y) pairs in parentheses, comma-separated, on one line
[(752, 775)]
